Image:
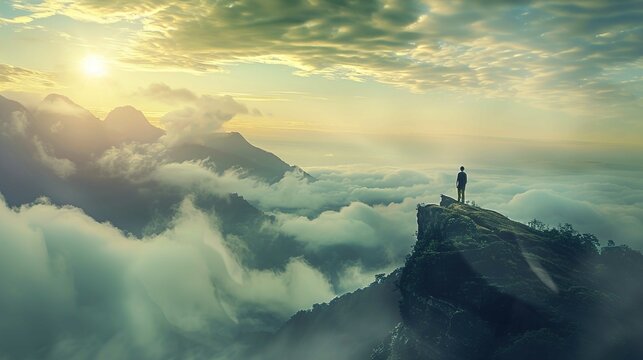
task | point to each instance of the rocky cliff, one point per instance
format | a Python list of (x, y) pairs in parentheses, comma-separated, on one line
[(480, 286), (346, 328)]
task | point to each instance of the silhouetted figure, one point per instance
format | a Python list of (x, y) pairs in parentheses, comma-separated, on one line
[(461, 183)]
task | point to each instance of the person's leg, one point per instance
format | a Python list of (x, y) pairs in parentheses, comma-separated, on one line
[(463, 195), (459, 194)]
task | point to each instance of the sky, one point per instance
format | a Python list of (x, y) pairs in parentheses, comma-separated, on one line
[(534, 70)]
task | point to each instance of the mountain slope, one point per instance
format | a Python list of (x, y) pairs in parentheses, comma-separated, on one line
[(346, 328), (231, 150), (70, 130)]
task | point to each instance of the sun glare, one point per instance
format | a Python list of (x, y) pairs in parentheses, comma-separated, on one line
[(94, 65)]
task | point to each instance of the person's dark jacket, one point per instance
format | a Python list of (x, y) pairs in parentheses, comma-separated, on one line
[(462, 180)]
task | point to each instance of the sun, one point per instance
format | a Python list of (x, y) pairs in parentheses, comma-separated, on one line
[(94, 66)]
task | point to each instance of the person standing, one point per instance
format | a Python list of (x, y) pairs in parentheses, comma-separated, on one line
[(461, 183)]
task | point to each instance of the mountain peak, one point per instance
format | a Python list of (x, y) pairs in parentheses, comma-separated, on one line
[(228, 138), (8, 105), (59, 98), (130, 124), (126, 114), (61, 105), (235, 134)]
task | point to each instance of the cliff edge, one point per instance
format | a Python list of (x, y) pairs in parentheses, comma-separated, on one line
[(481, 286)]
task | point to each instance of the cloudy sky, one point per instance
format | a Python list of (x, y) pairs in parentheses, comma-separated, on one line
[(380, 100), (539, 70)]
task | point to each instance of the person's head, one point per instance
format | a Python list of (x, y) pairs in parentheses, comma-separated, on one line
[(461, 168)]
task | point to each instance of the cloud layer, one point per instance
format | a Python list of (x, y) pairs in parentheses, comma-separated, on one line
[(74, 288), (580, 55), (601, 202)]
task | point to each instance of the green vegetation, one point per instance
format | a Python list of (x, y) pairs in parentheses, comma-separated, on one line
[(565, 234)]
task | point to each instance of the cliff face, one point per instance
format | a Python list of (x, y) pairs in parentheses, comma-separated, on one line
[(480, 286), (346, 328)]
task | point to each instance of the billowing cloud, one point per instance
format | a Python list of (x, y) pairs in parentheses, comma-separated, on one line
[(293, 193), (593, 199), (194, 123), (74, 288), (580, 55), (596, 202), (162, 92), (609, 221), (388, 229), (131, 161), (62, 167), (15, 125)]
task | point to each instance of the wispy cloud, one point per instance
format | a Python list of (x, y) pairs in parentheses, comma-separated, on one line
[(583, 56), (21, 79)]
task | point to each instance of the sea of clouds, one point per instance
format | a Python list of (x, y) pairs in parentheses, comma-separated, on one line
[(74, 287), (78, 288)]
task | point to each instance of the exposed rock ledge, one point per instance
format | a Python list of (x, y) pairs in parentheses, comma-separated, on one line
[(480, 286)]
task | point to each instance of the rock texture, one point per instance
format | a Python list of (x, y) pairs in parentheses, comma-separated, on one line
[(480, 286)]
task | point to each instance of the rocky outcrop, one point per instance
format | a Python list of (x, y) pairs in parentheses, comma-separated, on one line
[(480, 286)]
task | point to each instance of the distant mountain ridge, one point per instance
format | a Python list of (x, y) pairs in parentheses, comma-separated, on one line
[(53, 152), (232, 150), (69, 131)]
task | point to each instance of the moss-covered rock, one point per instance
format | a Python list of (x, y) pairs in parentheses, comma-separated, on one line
[(480, 286)]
